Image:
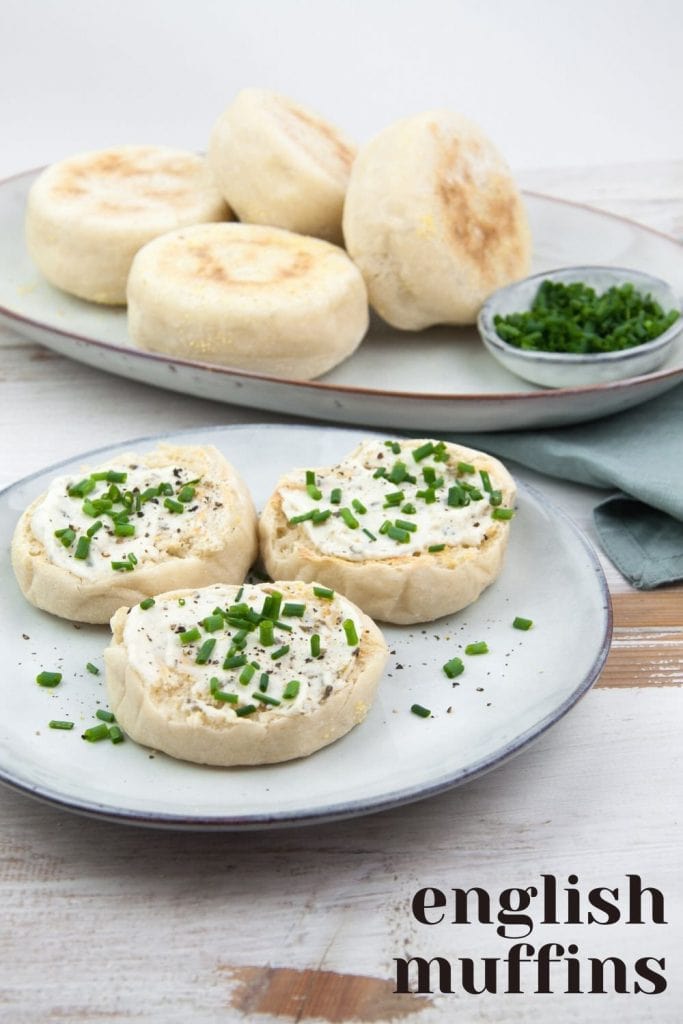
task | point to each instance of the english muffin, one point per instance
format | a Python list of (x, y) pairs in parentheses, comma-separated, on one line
[(434, 220), (88, 215)]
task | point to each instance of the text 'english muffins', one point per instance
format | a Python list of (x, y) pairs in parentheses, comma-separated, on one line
[(251, 297), (88, 215), (434, 220)]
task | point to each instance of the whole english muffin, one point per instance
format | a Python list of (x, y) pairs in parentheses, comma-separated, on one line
[(280, 164), (252, 297), (434, 220), (88, 215)]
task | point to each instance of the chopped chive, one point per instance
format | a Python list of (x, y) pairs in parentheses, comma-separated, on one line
[(495, 497), (282, 625), (248, 709), (399, 472), (408, 509), (165, 488), (128, 499), (296, 610), (314, 492), (393, 499), (502, 513), (394, 446), (239, 640), (320, 516), (379, 472), (265, 698), (520, 623), (263, 682), (485, 480), (310, 477), (56, 724), (122, 566), (82, 548), (49, 678), (421, 712), (454, 667), (358, 507), (173, 506), (115, 734), (280, 652), (385, 527), (114, 494), (186, 493), (67, 537), (429, 475), (238, 595), (291, 689), (227, 698), (212, 622), (315, 645), (181, 602), (440, 453), (92, 530), (428, 495), (189, 636), (347, 515), (105, 716), (457, 497), (423, 451), (235, 661), (138, 501), (149, 493), (112, 476), (92, 669), (336, 496), (266, 633), (246, 674), (82, 488), (473, 492), (205, 651), (403, 524), (302, 518), (480, 647), (132, 559), (434, 548), (349, 627), (124, 530), (96, 732), (369, 534), (323, 592), (89, 509), (276, 604), (466, 467), (401, 536)]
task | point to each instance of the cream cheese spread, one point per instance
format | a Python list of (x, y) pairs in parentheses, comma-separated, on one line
[(270, 671)]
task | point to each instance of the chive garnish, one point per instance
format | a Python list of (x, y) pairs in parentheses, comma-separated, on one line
[(246, 674), (92, 530), (408, 509), (248, 709), (238, 595), (423, 451), (147, 603), (473, 492), (495, 497), (132, 559), (115, 734), (296, 610), (347, 515), (385, 527), (428, 495), (379, 472), (320, 516), (403, 524), (454, 667), (520, 623), (434, 548), (466, 467), (88, 509), (105, 716), (122, 566), (263, 682), (82, 548), (112, 476), (291, 689), (336, 496), (212, 622), (394, 446), (265, 698), (457, 497), (369, 534), (205, 651), (82, 488), (315, 645), (502, 513), (323, 592), (314, 492), (480, 647), (235, 661), (49, 678), (349, 627), (393, 499), (96, 733), (124, 530), (302, 518), (67, 537), (56, 724), (92, 669), (189, 636), (266, 633), (358, 507), (485, 480), (401, 536), (280, 652), (186, 493), (421, 712), (228, 698), (399, 472), (173, 506)]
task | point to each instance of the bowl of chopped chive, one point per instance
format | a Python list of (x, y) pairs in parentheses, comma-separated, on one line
[(582, 325)]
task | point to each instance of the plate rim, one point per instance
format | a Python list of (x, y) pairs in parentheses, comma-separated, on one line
[(554, 394), (340, 810)]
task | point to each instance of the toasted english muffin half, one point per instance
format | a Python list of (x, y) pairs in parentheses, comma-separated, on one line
[(279, 164), (409, 530), (88, 215), (255, 298), (434, 220), (133, 527), (240, 676)]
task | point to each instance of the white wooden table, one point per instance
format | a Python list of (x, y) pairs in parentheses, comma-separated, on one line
[(100, 922)]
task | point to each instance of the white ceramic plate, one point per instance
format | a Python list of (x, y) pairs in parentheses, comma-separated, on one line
[(504, 699), (436, 380)]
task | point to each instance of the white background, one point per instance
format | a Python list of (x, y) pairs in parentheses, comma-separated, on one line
[(553, 83)]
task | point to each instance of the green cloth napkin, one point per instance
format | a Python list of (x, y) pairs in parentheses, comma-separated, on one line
[(639, 453)]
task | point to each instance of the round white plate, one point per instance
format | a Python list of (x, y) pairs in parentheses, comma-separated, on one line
[(503, 700), (435, 380)]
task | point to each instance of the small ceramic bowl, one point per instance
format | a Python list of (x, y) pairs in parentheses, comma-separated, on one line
[(566, 369)]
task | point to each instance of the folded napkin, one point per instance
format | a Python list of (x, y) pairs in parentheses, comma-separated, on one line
[(639, 453)]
